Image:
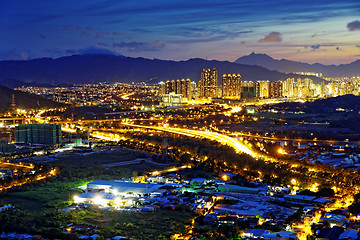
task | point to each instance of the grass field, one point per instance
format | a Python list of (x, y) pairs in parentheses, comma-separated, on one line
[(40, 202), (76, 170), (156, 225)]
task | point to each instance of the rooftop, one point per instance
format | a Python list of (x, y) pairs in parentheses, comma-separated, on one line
[(300, 197), (125, 187)]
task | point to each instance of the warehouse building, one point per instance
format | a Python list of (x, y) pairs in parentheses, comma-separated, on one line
[(125, 188)]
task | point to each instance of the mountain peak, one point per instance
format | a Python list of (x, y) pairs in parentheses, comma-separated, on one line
[(255, 56)]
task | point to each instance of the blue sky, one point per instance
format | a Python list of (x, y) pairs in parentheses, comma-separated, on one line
[(325, 31)]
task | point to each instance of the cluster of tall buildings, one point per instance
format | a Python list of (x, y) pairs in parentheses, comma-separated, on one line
[(307, 88), (232, 87), (184, 87)]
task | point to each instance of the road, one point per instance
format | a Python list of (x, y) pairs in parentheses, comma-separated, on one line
[(230, 141)]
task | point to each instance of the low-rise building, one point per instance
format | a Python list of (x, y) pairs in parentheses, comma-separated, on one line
[(283, 235), (350, 234), (238, 189), (329, 233), (255, 233), (334, 219), (299, 199), (123, 188)]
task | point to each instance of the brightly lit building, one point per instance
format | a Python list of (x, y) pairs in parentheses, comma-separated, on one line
[(171, 99), (161, 88), (179, 86), (231, 86), (275, 89), (117, 193), (309, 74), (288, 87), (208, 83), (262, 89), (193, 90)]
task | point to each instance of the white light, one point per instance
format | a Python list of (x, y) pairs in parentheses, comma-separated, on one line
[(98, 200)]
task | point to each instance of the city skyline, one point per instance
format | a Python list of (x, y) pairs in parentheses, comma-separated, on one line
[(324, 32)]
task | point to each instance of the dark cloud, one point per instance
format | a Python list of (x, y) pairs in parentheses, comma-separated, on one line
[(337, 48), (102, 33), (135, 46), (85, 34), (357, 45), (354, 25), (90, 50), (272, 37), (42, 36), (102, 44), (67, 28), (315, 47)]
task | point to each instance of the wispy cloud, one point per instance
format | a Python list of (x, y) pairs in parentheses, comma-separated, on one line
[(15, 54), (272, 37), (90, 50), (135, 46)]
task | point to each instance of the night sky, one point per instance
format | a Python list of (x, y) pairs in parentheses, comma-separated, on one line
[(325, 31)]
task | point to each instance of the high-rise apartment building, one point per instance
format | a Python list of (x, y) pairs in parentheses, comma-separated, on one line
[(262, 89), (231, 86), (208, 83), (289, 87), (161, 88), (178, 86), (276, 89)]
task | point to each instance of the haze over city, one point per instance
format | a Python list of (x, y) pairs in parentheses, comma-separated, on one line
[(323, 31)]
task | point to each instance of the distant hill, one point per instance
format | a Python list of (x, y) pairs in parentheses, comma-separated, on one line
[(14, 83), (23, 100), (287, 66), (108, 68)]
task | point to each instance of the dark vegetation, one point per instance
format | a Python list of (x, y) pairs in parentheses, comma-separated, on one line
[(23, 100)]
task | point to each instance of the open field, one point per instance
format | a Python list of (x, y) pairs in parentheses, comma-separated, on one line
[(40, 202), (76, 170), (156, 225)]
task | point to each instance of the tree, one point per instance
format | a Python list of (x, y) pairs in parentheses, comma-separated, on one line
[(354, 208), (325, 192)]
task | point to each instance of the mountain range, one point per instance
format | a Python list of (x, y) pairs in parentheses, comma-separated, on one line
[(287, 66), (93, 68)]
